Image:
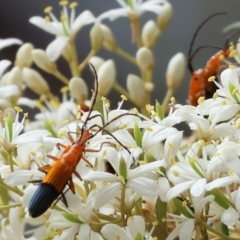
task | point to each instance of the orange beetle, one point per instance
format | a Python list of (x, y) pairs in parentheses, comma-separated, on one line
[(60, 174), (199, 84)]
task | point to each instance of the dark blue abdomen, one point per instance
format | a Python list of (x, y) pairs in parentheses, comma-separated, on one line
[(42, 199)]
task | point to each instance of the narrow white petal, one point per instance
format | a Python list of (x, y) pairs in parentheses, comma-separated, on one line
[(178, 189), (164, 187), (220, 182), (84, 232), (21, 177), (112, 231), (113, 14), (230, 216), (28, 194), (100, 176), (84, 18), (142, 169), (8, 42), (237, 201), (105, 194), (55, 48), (175, 232), (198, 187), (4, 64), (232, 26), (144, 186), (186, 230), (46, 26), (8, 91), (135, 225)]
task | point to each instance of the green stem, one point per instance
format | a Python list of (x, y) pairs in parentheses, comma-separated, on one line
[(74, 63), (6, 207), (123, 204), (167, 97), (125, 55), (86, 60), (10, 160), (206, 226), (10, 188), (61, 77)]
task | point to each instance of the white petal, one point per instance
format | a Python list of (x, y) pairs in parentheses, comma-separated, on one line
[(84, 231), (106, 193), (100, 176), (237, 201), (9, 41), (198, 188), (164, 187), (46, 26), (144, 186), (178, 189), (186, 231), (232, 26), (21, 177), (230, 216), (112, 231), (142, 169), (15, 223), (113, 14), (8, 91), (28, 194), (4, 64), (84, 18), (220, 182), (55, 48), (135, 225)]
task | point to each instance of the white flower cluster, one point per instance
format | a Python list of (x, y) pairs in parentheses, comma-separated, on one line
[(144, 172)]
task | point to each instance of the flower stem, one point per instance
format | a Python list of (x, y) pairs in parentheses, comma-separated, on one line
[(6, 207), (206, 226), (167, 97), (74, 63), (86, 60), (123, 204), (61, 77), (10, 188), (125, 55)]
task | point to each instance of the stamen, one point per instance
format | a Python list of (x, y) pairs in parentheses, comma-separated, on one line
[(48, 9), (124, 97), (47, 19), (63, 3), (18, 109), (211, 79), (175, 173), (149, 129), (73, 5), (64, 89)]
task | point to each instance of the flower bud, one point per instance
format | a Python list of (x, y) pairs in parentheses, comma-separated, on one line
[(175, 71), (78, 89), (4, 64), (150, 32), (165, 17), (15, 77), (145, 59), (109, 41), (106, 76), (96, 36), (96, 62), (136, 89), (41, 59), (24, 56), (35, 81)]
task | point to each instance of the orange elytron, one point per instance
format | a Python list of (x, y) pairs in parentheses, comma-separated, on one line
[(199, 85)]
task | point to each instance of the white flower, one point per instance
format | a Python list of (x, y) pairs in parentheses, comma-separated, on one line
[(135, 230), (134, 7), (64, 30), (133, 178)]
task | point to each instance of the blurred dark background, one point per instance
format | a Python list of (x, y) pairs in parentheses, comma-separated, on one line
[(187, 15)]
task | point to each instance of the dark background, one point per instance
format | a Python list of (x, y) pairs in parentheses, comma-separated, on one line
[(187, 15)]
